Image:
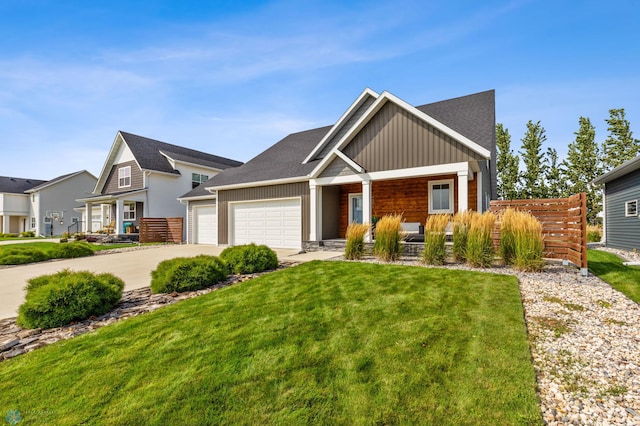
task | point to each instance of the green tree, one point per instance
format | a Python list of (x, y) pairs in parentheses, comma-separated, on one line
[(582, 166), (554, 176), (620, 145), (506, 165), (532, 177)]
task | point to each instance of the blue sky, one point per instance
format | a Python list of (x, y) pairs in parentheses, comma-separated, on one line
[(232, 78)]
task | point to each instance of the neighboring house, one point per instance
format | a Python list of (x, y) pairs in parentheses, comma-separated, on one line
[(620, 198), (142, 177), (45, 207), (14, 204), (382, 156), (52, 203)]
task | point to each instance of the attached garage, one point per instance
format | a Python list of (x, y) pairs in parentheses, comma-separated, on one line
[(275, 223), (205, 225)]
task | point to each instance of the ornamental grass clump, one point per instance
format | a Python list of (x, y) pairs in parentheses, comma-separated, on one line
[(388, 237), (461, 225), (594, 234), (480, 241), (508, 225), (435, 237), (355, 240), (528, 243)]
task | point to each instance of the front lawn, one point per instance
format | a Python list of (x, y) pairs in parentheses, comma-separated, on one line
[(609, 268), (322, 343)]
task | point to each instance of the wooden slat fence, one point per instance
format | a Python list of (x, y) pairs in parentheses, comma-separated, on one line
[(564, 225), (161, 230)]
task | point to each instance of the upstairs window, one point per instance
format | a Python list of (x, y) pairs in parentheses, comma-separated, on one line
[(197, 179), (124, 177), (631, 208)]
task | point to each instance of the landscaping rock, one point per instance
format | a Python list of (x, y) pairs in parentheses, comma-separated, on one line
[(9, 343)]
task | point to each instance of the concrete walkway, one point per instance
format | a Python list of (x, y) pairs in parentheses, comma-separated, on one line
[(134, 267), (32, 240)]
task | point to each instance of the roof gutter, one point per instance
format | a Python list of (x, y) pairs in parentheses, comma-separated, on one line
[(283, 181)]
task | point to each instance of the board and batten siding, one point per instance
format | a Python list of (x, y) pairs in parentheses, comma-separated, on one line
[(137, 179), (396, 139), (262, 193), (622, 232), (193, 204), (355, 116)]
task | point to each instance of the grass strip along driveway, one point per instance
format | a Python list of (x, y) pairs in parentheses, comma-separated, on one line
[(609, 268), (323, 342)]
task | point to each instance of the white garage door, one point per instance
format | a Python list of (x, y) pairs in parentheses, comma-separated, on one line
[(277, 224), (205, 225)]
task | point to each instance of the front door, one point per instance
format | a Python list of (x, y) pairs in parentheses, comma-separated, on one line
[(355, 208)]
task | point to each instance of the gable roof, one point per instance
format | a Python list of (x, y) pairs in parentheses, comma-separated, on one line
[(469, 119), (14, 185), (57, 180), (149, 155), (620, 171)]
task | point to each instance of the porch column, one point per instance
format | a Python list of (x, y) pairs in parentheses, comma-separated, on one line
[(313, 213), (366, 207), (6, 223), (463, 190), (87, 225), (480, 200), (119, 213)]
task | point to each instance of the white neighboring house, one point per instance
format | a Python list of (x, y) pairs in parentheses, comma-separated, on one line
[(45, 207), (143, 177)]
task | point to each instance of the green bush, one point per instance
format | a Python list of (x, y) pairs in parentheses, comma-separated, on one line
[(435, 237), (187, 274), (58, 299), (22, 255), (354, 248), (249, 259), (72, 250), (28, 234), (386, 246)]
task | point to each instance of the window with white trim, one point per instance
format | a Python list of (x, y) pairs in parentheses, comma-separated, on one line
[(441, 196), (129, 212), (197, 179), (124, 177), (33, 222), (631, 208)]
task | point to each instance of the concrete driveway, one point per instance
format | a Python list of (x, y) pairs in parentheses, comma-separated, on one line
[(133, 267)]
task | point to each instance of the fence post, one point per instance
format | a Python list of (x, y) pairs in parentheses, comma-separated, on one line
[(584, 270)]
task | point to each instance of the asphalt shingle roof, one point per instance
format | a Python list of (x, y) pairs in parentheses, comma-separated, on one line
[(472, 116), (13, 185), (55, 180), (148, 154)]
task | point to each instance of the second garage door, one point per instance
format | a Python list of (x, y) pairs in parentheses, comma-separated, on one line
[(277, 224), (204, 218)]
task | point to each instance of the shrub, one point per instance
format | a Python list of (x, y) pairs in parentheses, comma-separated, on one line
[(58, 299), (508, 221), (594, 234), (355, 240), (461, 225), (28, 234), (479, 240), (72, 250), (387, 243), (528, 242), (22, 255), (187, 274), (435, 237), (80, 236), (249, 259)]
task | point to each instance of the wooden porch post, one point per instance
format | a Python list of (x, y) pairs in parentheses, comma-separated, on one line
[(366, 206), (463, 190)]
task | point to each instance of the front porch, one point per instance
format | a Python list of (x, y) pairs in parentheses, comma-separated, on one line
[(117, 214), (413, 197)]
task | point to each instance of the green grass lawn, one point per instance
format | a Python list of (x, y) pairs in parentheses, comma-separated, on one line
[(321, 343), (609, 268), (47, 246)]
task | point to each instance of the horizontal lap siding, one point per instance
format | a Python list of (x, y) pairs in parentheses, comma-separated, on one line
[(137, 179), (395, 139), (262, 193), (622, 232), (410, 197)]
